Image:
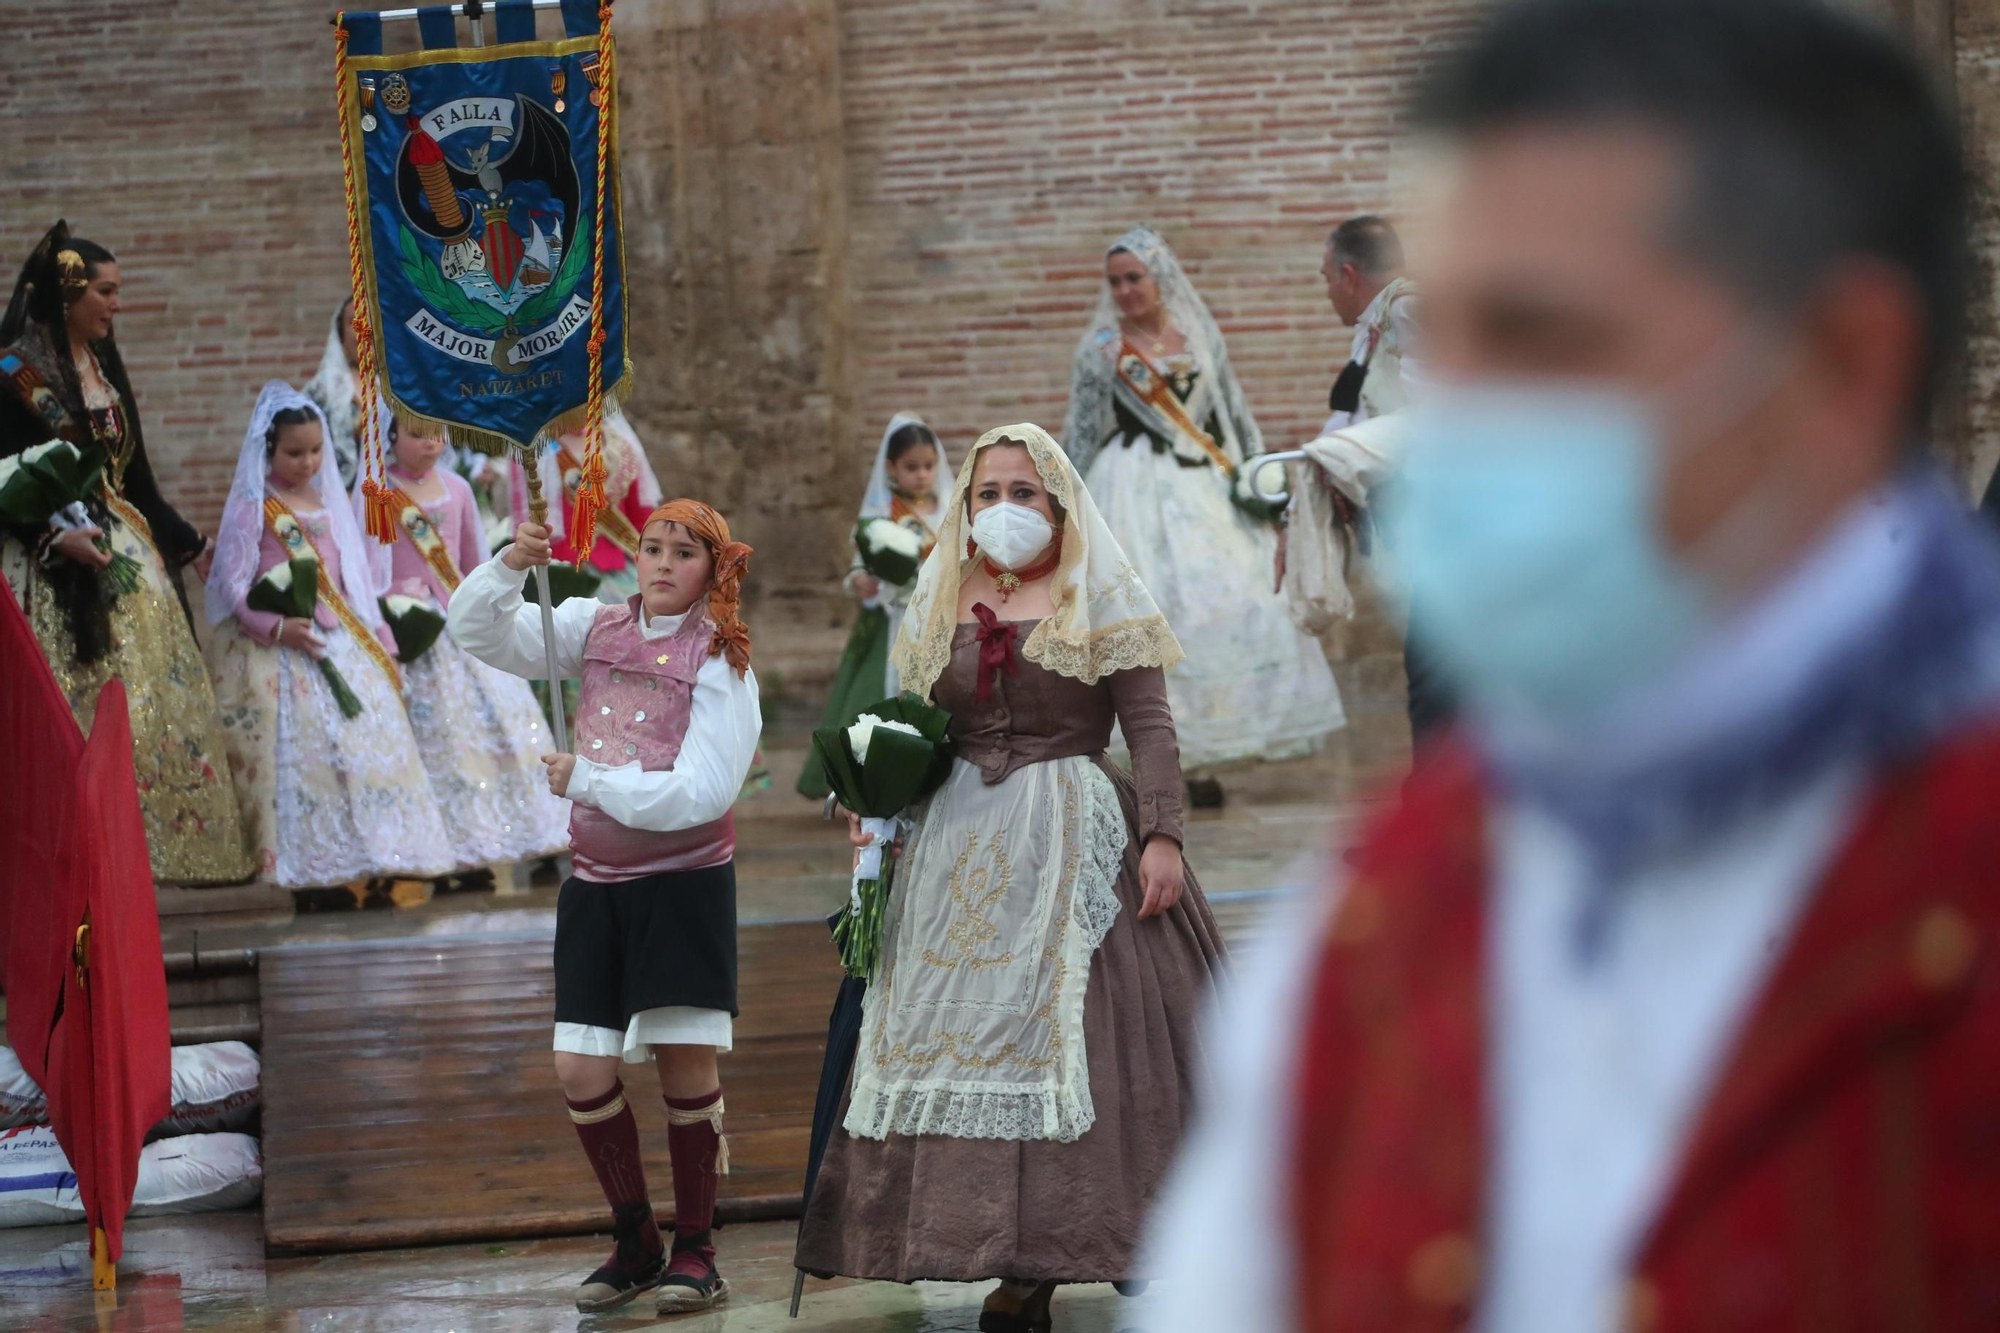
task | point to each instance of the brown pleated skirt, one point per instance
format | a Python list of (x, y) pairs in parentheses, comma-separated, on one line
[(961, 1210)]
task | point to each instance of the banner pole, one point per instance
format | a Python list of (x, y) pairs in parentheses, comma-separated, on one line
[(538, 513), (470, 8)]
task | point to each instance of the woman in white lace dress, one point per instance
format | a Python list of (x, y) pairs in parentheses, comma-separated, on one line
[(1157, 425), (1028, 1047), (326, 798)]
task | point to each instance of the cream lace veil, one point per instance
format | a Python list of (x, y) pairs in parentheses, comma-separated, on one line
[(1104, 620), (1093, 385)]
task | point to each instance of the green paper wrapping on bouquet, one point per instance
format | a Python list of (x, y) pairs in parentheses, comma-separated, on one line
[(39, 483), (889, 551), (292, 590), (882, 761), (415, 622), (565, 581), (1244, 494), (862, 668)]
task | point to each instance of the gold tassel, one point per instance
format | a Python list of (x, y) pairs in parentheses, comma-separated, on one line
[(381, 509), (590, 501)]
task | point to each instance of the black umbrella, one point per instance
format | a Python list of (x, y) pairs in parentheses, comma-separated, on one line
[(843, 1036)]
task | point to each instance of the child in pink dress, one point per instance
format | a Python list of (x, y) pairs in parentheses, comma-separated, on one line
[(479, 731), (326, 799)]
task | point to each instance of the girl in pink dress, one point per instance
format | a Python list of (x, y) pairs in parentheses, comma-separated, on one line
[(479, 731), (326, 798)]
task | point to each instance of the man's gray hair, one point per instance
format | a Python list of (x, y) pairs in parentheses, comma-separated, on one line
[(1370, 244)]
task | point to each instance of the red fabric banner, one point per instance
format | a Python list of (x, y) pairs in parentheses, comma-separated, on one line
[(39, 746), (86, 984)]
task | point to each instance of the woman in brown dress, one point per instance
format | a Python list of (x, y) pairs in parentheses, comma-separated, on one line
[(1029, 1047)]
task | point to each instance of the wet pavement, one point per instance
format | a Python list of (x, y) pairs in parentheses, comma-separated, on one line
[(210, 1272)]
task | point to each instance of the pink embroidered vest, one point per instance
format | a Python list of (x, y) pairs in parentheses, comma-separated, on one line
[(638, 696)]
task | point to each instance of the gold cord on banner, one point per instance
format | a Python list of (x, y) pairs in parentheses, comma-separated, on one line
[(381, 505), (591, 499)]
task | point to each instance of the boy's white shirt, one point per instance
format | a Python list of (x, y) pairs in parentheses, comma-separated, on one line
[(489, 619)]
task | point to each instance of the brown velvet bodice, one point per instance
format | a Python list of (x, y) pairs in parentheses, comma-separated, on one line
[(1035, 715)]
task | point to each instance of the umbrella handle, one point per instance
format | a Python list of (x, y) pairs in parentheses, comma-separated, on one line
[(103, 1270)]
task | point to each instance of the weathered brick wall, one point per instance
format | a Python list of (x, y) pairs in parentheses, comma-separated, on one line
[(198, 143), (835, 209), (994, 150)]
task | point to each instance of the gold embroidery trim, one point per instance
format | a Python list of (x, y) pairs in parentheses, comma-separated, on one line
[(434, 551), (132, 519), (962, 1046), (1161, 397)]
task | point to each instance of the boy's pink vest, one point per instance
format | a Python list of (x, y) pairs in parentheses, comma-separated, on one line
[(638, 695)]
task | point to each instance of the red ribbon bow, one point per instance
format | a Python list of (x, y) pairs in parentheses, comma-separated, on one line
[(996, 647)]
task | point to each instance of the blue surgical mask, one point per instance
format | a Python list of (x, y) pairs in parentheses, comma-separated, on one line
[(1524, 531)]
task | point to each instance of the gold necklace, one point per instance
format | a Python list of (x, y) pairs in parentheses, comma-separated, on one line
[(1159, 339)]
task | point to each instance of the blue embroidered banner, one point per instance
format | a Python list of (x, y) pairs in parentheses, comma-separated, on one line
[(476, 177)]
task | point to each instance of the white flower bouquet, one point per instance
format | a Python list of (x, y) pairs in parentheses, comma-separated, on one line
[(47, 485), (415, 621), (1244, 492), (889, 551), (889, 757), (292, 590)]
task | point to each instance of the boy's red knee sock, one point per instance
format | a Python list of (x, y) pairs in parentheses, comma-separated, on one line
[(610, 1139), (701, 1158)]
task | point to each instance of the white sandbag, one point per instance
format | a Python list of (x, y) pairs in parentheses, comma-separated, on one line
[(21, 1099), (195, 1173), (198, 1173), (216, 1088), (37, 1188)]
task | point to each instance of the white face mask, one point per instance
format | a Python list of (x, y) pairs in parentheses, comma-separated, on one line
[(1011, 535)]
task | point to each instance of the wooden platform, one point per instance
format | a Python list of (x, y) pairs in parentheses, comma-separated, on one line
[(409, 1098)]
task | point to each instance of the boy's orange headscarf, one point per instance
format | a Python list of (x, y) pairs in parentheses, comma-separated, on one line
[(725, 590)]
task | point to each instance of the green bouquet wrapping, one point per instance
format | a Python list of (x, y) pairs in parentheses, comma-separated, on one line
[(565, 581), (40, 483), (292, 590), (889, 551), (1248, 496), (416, 622), (886, 759)]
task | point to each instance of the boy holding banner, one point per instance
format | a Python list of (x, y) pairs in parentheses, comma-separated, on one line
[(645, 949)]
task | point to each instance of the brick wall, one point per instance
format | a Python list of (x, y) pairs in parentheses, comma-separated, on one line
[(835, 209), (198, 143), (994, 150)]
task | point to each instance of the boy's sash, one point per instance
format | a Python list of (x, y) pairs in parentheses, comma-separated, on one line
[(291, 534), (1154, 391)]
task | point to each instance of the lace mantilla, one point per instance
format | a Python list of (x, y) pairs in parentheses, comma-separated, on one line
[(1104, 619)]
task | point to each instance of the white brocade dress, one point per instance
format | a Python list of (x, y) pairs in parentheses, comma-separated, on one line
[(325, 799), (480, 731), (1253, 686)]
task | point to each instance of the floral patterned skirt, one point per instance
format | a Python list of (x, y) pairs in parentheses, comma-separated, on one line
[(482, 735), (192, 832), (326, 799)]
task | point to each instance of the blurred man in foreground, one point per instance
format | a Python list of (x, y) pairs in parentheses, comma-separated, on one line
[(1667, 1000)]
